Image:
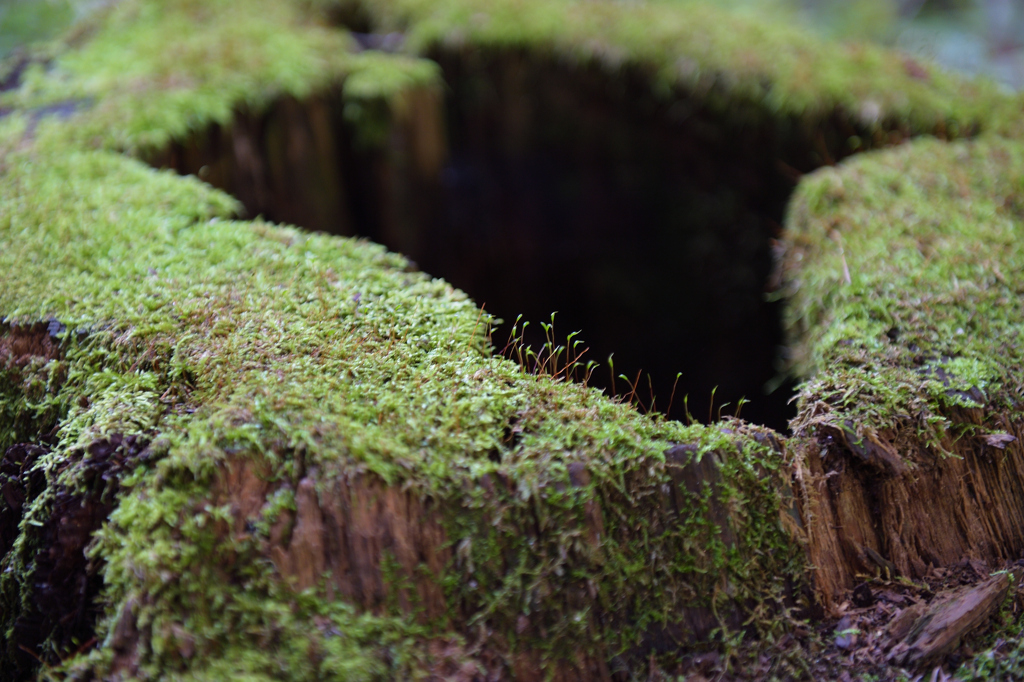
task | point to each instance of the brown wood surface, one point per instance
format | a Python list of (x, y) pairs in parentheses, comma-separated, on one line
[(949, 617)]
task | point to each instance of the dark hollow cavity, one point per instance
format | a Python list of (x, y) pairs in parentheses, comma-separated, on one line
[(537, 186)]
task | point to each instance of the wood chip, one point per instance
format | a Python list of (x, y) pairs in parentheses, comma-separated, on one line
[(948, 618), (999, 440)]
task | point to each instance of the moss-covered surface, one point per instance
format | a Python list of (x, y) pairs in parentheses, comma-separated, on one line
[(146, 72), (142, 73), (905, 299), (354, 365), (732, 59), (184, 345)]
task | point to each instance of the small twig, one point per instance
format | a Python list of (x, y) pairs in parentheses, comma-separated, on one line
[(476, 325), (511, 335), (85, 646), (30, 652), (668, 412), (739, 406), (632, 385), (842, 255)]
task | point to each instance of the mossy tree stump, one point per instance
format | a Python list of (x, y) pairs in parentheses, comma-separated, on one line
[(233, 448)]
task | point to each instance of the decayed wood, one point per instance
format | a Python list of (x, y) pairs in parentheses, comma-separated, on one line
[(341, 536), (866, 514), (345, 526), (285, 163), (949, 617)]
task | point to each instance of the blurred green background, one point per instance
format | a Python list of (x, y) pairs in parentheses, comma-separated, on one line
[(973, 36), (25, 21)]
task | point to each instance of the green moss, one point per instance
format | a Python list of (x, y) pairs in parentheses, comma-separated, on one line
[(226, 339), (26, 21), (904, 303), (28, 402), (725, 58), (302, 348), (155, 71), (149, 71)]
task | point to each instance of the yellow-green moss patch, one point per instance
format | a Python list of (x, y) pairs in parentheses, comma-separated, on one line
[(905, 298)]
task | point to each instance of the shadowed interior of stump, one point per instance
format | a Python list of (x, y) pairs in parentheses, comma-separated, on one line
[(536, 186)]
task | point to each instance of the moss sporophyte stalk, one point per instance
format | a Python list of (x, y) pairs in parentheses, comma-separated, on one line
[(279, 454)]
